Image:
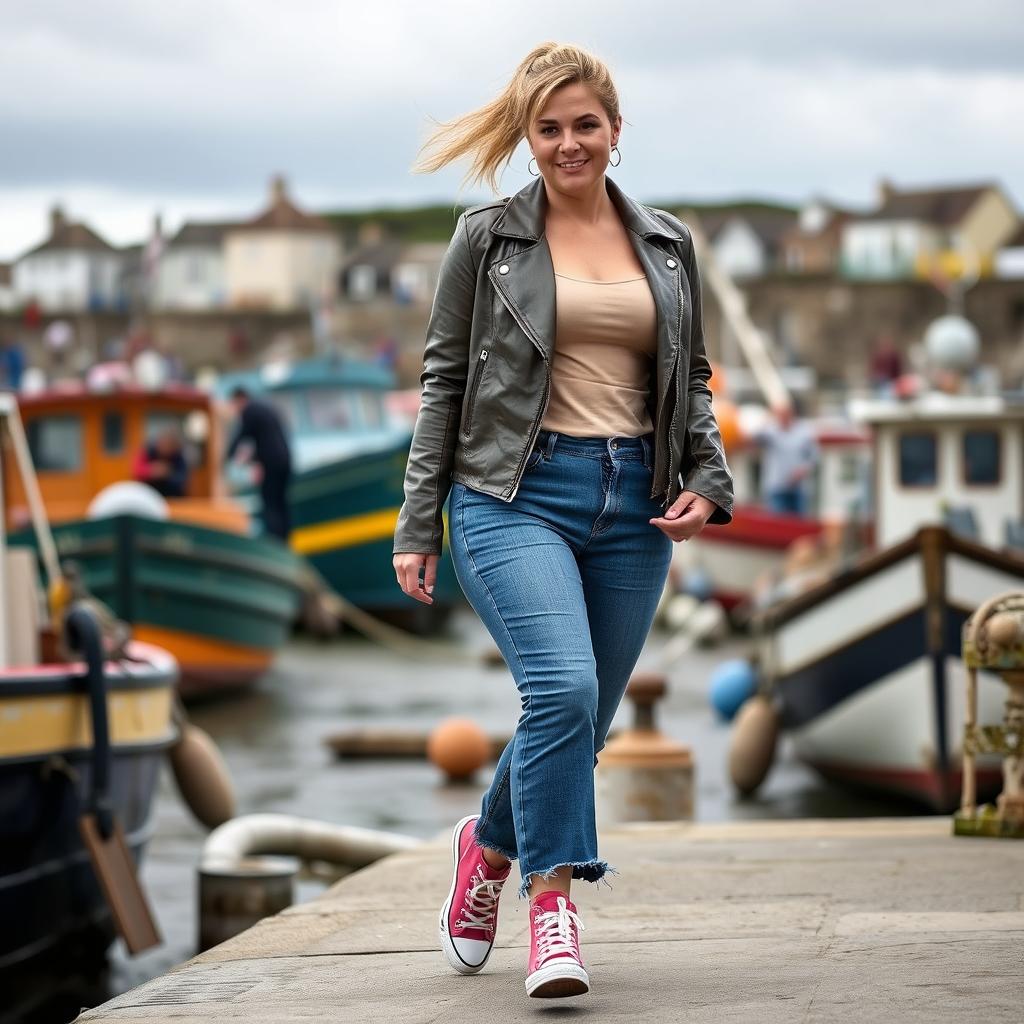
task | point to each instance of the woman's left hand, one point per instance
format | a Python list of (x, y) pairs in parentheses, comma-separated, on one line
[(685, 517)]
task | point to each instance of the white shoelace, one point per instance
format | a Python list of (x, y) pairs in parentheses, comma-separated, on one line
[(481, 900), (554, 934)]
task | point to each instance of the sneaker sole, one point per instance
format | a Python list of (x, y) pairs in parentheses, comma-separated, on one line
[(558, 980), (447, 946)]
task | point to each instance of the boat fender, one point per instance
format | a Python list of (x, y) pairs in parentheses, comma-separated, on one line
[(752, 744), (201, 774), (129, 497)]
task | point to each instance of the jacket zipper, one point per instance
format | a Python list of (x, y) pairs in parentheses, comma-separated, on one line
[(471, 401), (534, 431)]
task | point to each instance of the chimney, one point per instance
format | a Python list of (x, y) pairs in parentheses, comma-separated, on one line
[(370, 232), (278, 189), (57, 220), (886, 190)]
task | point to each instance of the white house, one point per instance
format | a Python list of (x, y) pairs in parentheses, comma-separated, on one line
[(7, 298), (746, 238), (191, 274), (282, 259), (1010, 256), (913, 233), (74, 270)]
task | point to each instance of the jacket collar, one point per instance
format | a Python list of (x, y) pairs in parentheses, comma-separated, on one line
[(523, 216)]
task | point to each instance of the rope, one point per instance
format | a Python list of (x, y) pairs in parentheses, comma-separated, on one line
[(398, 640)]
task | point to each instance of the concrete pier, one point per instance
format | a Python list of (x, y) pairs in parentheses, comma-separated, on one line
[(820, 920)]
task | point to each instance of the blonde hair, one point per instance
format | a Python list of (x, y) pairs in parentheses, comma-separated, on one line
[(492, 132)]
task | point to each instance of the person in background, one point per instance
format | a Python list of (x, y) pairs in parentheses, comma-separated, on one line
[(161, 463), (886, 365), (789, 456), (260, 425)]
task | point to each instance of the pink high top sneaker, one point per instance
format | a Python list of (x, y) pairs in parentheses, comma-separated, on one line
[(555, 967), (469, 917)]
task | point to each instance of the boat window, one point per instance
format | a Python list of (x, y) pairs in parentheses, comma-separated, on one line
[(55, 443), (329, 410), (284, 403), (919, 464), (982, 457), (849, 468), (113, 433), (371, 405), (156, 422), (159, 421)]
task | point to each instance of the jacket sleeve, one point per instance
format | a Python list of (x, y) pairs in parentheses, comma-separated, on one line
[(705, 470), (443, 382)]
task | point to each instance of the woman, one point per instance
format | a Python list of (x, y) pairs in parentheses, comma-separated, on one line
[(565, 406)]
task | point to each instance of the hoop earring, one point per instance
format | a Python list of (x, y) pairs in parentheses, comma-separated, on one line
[(530, 161), (615, 149)]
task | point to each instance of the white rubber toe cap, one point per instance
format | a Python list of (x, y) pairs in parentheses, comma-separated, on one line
[(472, 951)]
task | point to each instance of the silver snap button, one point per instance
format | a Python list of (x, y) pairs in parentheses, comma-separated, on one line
[(615, 444), (503, 269), (670, 263)]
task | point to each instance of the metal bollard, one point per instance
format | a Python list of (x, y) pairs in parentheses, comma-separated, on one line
[(234, 898), (642, 774)]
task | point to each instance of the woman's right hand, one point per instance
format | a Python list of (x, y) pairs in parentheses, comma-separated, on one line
[(407, 568)]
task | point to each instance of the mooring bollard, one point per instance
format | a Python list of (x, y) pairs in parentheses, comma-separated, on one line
[(248, 865), (642, 774), (234, 898)]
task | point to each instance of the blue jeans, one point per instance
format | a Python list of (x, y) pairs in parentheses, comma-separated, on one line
[(566, 577), (788, 501)]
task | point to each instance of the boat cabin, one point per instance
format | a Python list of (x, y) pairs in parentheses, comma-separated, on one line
[(332, 407), (83, 441), (954, 459)]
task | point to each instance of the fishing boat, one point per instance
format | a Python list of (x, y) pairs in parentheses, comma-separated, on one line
[(350, 444), (861, 658), (77, 737), (187, 573)]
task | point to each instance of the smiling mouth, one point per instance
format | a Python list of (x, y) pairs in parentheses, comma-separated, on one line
[(572, 163)]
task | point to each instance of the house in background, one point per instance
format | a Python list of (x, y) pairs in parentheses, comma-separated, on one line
[(74, 270), (746, 237), (923, 233), (812, 245), (284, 259), (1009, 261), (191, 273), (388, 269), (8, 302)]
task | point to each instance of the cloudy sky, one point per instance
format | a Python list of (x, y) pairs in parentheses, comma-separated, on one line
[(118, 108)]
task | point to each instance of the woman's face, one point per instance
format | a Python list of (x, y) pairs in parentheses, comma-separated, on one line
[(572, 139)]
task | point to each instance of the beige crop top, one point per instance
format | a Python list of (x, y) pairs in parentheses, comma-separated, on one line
[(605, 341)]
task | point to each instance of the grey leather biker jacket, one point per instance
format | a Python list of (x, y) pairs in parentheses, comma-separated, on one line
[(487, 363)]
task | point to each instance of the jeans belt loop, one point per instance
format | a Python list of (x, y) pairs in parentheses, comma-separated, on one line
[(647, 451), (550, 447)]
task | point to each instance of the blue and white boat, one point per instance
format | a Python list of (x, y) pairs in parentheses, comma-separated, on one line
[(349, 452)]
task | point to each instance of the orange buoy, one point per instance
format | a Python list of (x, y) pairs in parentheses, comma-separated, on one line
[(458, 747), (728, 417)]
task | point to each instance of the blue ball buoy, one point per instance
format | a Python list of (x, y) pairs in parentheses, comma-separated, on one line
[(732, 683), (698, 583)]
